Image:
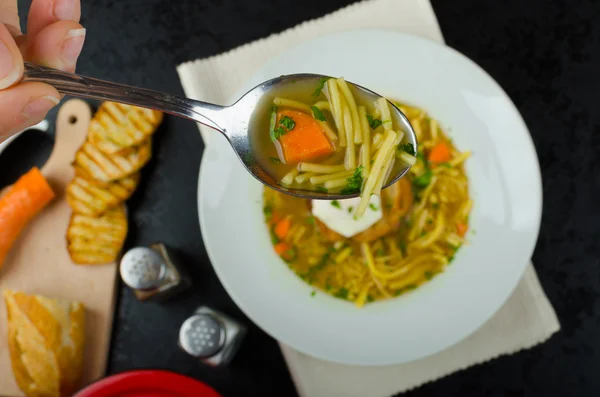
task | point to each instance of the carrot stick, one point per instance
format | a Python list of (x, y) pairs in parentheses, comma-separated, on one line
[(440, 153), (283, 227), (23, 201), (461, 229)]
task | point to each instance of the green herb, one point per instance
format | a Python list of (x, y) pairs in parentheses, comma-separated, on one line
[(318, 114), (399, 292), (373, 123), (402, 246), (445, 165), (322, 189), (435, 206), (293, 81), (408, 148), (275, 160), (342, 293), (328, 286), (410, 287), (310, 220), (379, 252), (429, 221), (308, 276), (422, 181), (370, 298), (354, 182), (421, 156), (373, 207), (336, 204), (313, 293), (287, 122), (473, 232), (350, 209), (429, 274), (372, 161), (423, 233), (279, 132), (290, 255), (268, 211), (317, 92)]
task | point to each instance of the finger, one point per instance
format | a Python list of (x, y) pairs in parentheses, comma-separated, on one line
[(45, 12), (9, 14), (11, 61), (25, 105), (57, 45)]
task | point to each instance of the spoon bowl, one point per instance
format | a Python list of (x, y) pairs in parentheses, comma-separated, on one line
[(233, 121)]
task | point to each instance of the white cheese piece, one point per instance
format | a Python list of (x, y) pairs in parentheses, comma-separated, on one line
[(338, 215)]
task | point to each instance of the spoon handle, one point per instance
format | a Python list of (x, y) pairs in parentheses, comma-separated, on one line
[(87, 87)]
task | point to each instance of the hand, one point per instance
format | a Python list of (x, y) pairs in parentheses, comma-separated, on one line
[(54, 39)]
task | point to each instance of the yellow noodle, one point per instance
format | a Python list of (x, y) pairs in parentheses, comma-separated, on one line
[(318, 179), (290, 103), (335, 102), (320, 168), (289, 177), (345, 90)]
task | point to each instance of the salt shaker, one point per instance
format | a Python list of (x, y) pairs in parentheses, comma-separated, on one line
[(211, 336), (153, 272)]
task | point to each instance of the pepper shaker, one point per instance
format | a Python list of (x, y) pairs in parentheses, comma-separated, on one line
[(211, 336), (153, 272)]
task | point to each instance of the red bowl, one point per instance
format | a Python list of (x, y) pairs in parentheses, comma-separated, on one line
[(147, 383)]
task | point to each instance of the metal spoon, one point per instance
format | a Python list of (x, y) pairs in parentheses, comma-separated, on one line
[(232, 121)]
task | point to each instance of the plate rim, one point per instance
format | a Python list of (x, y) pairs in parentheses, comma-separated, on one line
[(536, 170)]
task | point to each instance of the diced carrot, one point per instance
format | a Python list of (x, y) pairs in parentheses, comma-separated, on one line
[(283, 227), (306, 141), (275, 217), (282, 248), (440, 153), (23, 201), (461, 229)]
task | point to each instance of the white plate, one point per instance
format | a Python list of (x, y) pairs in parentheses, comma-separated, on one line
[(505, 184)]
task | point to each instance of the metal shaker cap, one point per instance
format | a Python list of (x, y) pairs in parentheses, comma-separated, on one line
[(142, 268), (202, 335)]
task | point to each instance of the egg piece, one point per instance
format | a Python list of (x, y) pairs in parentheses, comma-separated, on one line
[(338, 215)]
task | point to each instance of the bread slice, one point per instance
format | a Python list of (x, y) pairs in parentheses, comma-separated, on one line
[(97, 240), (108, 168), (86, 196), (117, 127), (45, 340)]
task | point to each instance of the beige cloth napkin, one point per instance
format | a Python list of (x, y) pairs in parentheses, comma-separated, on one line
[(526, 319)]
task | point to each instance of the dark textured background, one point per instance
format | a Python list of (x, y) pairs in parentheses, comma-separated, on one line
[(546, 55)]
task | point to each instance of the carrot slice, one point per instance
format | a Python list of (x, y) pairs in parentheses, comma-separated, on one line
[(21, 203), (461, 229), (306, 141), (283, 227), (440, 153), (282, 248)]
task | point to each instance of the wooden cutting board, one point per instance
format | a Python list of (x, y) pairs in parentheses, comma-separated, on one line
[(40, 264)]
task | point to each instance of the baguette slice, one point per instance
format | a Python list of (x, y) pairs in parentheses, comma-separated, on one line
[(45, 341), (86, 196)]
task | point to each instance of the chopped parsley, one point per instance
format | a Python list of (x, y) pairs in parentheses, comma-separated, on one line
[(422, 181), (313, 293), (336, 204), (373, 207), (380, 252), (268, 211), (310, 220), (287, 122), (350, 209), (342, 293), (408, 148), (402, 246), (429, 274), (435, 206), (318, 114), (410, 287), (274, 160), (370, 298), (354, 182), (423, 233), (317, 92), (322, 189), (374, 123)]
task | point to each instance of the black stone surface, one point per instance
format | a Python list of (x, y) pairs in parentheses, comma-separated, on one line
[(544, 53)]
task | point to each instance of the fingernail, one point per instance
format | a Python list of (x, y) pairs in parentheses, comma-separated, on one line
[(37, 108), (72, 46), (8, 72), (64, 10)]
